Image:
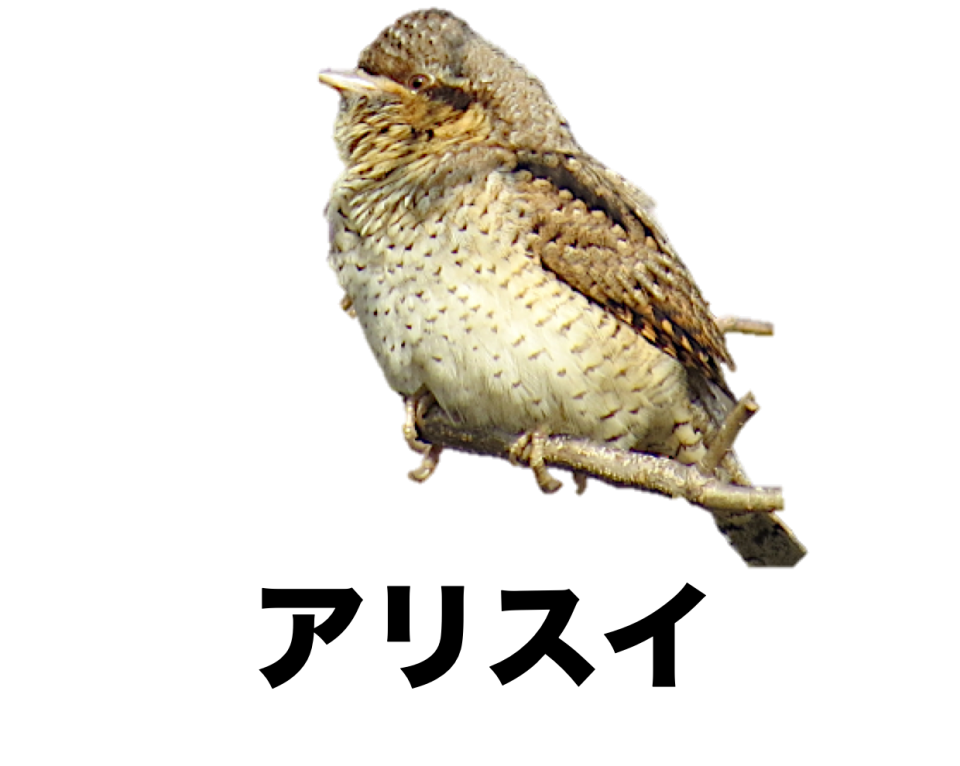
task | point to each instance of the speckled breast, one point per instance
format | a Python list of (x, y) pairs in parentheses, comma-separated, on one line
[(451, 298)]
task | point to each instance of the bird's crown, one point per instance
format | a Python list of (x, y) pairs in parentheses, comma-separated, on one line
[(435, 65)]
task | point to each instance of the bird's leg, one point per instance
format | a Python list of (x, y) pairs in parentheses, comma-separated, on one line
[(528, 449), (416, 407)]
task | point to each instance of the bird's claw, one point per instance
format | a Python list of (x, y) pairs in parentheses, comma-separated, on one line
[(580, 479), (416, 407), (346, 303), (528, 450)]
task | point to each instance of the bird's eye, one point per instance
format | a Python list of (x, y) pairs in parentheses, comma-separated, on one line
[(419, 81)]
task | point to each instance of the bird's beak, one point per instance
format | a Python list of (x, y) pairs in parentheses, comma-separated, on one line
[(358, 81)]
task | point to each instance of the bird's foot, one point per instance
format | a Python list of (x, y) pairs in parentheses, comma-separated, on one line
[(528, 450), (416, 407), (346, 303)]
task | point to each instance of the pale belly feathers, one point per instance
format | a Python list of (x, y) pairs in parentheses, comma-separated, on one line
[(453, 302)]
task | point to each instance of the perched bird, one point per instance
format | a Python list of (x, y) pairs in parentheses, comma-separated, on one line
[(501, 271)]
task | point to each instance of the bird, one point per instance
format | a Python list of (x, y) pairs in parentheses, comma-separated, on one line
[(501, 272)]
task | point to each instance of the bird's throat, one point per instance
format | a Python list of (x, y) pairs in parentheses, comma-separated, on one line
[(413, 137)]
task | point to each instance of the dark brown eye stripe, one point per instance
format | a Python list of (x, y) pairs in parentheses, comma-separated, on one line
[(455, 97)]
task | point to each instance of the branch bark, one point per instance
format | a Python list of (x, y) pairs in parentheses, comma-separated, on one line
[(612, 466), (743, 514), (743, 325)]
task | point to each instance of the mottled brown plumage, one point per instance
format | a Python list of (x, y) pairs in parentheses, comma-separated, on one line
[(498, 267)]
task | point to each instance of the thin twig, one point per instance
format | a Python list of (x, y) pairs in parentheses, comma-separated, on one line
[(745, 409), (752, 327)]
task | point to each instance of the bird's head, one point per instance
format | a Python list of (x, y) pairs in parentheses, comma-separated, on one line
[(429, 86)]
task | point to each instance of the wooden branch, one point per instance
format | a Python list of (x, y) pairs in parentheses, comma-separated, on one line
[(743, 513), (742, 325), (745, 409), (613, 466)]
